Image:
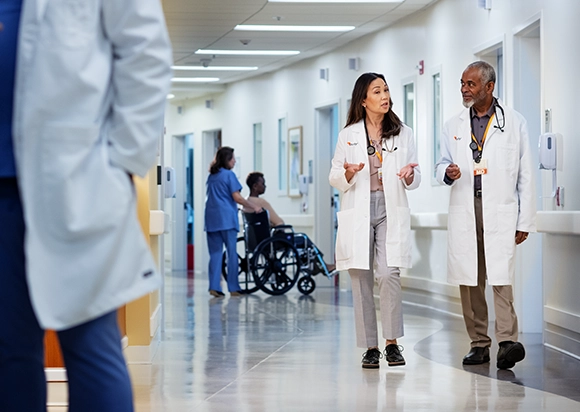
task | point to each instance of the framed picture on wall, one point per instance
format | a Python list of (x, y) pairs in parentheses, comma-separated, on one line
[(294, 160)]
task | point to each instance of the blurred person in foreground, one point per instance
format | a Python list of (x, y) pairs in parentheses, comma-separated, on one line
[(82, 97)]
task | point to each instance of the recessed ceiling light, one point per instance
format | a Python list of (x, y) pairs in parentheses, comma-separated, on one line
[(250, 52), (277, 27), (335, 1), (170, 96), (194, 79), (222, 68)]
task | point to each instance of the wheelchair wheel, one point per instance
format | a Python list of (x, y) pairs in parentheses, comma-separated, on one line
[(276, 266), (245, 276), (306, 284)]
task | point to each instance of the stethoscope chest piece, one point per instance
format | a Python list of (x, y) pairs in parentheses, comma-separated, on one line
[(371, 150)]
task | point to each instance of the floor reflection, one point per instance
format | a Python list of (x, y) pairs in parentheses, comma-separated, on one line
[(298, 353)]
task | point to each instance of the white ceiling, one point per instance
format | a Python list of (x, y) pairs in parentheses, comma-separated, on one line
[(209, 24)]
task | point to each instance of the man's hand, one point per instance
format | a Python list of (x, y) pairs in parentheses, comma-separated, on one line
[(521, 236), (453, 171)]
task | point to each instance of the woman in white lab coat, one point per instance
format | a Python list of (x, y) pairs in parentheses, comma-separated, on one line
[(374, 164)]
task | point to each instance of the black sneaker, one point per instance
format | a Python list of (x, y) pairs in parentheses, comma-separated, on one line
[(393, 355), (371, 358)]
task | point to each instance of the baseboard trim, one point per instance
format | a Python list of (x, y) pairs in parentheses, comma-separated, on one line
[(562, 318), (565, 352), (155, 320), (142, 354)]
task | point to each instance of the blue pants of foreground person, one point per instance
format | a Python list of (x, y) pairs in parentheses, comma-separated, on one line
[(98, 379)]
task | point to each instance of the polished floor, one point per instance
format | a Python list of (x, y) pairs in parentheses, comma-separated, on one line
[(297, 353)]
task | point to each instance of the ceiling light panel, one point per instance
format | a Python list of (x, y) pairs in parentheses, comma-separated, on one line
[(249, 52), (195, 79), (335, 1), (215, 68), (278, 27)]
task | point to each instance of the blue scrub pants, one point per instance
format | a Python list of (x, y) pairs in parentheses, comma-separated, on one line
[(97, 373), (215, 242)]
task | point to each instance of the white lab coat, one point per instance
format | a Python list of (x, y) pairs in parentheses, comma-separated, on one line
[(508, 197), (91, 82), (352, 241)]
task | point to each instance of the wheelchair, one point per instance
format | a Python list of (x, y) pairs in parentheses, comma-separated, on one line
[(275, 259)]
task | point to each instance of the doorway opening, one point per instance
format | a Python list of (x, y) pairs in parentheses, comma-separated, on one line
[(327, 197), (211, 142), (527, 101)]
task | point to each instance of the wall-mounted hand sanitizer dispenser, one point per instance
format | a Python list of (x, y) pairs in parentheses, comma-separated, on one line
[(169, 182), (303, 182), (547, 151)]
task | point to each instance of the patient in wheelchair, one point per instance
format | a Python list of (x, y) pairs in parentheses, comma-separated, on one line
[(257, 185)]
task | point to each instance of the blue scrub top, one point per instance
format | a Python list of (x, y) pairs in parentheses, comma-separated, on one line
[(221, 210), (9, 20)]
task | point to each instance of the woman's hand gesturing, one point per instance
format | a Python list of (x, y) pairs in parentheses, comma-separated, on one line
[(408, 173), (351, 169)]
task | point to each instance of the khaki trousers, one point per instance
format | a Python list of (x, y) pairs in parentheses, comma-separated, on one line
[(473, 299)]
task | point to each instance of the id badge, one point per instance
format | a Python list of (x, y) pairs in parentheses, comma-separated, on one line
[(480, 168), (380, 174)]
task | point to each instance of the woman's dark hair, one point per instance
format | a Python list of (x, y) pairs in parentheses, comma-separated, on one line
[(254, 178), (391, 122), (222, 159)]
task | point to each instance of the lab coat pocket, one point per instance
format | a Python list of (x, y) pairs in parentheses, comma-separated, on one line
[(507, 219), (80, 192), (352, 153), (404, 234), (457, 229), (345, 234), (508, 157), (70, 23)]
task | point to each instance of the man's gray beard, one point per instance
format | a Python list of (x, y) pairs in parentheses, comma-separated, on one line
[(468, 104)]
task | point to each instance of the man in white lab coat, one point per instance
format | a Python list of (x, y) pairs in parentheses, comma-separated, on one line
[(83, 93), (485, 158)]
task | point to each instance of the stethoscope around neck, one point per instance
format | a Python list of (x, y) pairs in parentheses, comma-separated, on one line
[(371, 150), (499, 119), (500, 124)]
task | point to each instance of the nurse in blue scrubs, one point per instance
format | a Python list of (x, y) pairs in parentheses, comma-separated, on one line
[(221, 220)]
